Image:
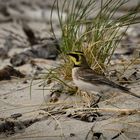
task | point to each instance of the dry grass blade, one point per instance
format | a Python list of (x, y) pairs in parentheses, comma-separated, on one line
[(112, 110)]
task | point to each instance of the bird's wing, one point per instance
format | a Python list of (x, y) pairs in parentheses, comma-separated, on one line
[(89, 75)]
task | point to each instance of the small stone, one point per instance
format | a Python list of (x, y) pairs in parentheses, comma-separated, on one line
[(25, 82), (5, 98), (72, 134), (16, 115)]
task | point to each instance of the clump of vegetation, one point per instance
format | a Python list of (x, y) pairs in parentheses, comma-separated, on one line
[(97, 37)]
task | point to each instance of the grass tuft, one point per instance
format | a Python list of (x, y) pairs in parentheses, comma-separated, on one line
[(97, 37)]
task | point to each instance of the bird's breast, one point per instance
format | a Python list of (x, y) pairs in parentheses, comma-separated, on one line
[(81, 84)]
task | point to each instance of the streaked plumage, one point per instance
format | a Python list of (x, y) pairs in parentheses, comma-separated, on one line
[(87, 80)]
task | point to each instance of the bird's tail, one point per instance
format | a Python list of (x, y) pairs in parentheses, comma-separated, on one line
[(133, 94), (127, 90)]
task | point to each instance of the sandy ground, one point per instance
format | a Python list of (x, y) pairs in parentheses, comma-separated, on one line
[(15, 98), (27, 97)]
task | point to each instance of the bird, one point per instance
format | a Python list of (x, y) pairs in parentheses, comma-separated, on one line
[(86, 79)]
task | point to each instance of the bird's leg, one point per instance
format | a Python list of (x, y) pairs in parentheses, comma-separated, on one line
[(95, 104)]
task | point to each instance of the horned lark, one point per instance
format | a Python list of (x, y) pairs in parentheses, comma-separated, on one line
[(87, 80)]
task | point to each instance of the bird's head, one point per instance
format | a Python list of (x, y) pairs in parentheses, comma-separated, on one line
[(78, 59)]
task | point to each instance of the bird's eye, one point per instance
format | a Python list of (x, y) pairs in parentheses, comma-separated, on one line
[(76, 57)]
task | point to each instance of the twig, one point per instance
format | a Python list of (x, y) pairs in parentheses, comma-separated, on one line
[(113, 110)]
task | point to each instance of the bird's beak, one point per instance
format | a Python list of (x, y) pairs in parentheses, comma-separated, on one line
[(68, 53)]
